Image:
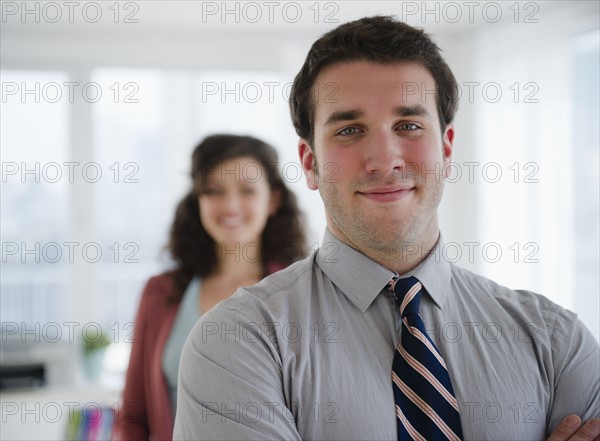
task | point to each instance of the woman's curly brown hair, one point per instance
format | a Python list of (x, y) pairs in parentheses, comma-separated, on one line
[(194, 251)]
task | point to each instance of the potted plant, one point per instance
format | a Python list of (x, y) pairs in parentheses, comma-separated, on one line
[(95, 342)]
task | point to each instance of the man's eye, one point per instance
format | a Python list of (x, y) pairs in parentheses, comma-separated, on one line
[(348, 131), (408, 127)]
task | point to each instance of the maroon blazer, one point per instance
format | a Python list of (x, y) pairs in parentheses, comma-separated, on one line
[(146, 407)]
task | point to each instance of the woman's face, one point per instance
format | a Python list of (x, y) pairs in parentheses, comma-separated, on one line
[(236, 202)]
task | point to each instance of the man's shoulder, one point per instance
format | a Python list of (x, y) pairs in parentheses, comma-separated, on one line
[(487, 290), (284, 280), (535, 318)]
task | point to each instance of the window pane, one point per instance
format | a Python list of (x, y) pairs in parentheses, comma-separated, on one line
[(35, 190), (586, 157), (129, 202)]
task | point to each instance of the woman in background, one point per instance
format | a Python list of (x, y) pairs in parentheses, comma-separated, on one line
[(238, 223)]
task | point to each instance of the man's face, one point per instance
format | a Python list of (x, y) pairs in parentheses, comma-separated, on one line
[(380, 155)]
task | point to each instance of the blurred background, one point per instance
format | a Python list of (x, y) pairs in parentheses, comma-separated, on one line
[(103, 102)]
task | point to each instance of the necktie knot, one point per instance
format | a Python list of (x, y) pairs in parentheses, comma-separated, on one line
[(408, 295)]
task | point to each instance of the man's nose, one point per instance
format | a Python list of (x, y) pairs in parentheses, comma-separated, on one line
[(385, 153)]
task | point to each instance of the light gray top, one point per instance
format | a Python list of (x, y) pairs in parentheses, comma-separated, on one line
[(307, 354), (186, 318)]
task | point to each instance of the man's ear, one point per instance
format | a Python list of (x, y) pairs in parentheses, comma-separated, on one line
[(448, 147), (307, 161)]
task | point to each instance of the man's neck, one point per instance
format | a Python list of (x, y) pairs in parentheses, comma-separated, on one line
[(407, 257)]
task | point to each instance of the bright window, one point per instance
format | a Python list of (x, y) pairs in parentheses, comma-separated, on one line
[(35, 196)]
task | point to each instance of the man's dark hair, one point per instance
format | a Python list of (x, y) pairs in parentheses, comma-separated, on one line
[(379, 39)]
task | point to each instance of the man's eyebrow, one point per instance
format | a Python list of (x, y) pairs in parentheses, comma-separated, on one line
[(343, 115), (416, 110), (349, 115)]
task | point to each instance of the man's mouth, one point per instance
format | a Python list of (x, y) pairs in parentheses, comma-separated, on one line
[(387, 193)]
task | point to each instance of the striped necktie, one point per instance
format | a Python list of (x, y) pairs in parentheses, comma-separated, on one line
[(426, 408)]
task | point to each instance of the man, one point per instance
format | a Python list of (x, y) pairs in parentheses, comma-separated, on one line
[(348, 344)]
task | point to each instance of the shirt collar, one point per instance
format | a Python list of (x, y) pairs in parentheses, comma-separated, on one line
[(361, 279), (434, 273)]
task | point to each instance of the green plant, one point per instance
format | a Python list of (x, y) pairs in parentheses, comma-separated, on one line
[(94, 339)]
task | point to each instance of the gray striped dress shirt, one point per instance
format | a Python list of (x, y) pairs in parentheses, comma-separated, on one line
[(307, 354)]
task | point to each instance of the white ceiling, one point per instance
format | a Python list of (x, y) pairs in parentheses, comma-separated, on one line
[(193, 33), (203, 16)]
